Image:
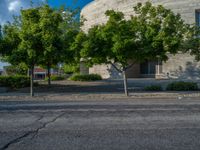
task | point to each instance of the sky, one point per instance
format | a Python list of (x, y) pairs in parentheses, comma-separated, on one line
[(8, 8), (79, 3)]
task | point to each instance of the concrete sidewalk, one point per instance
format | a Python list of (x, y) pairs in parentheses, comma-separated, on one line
[(98, 96), (99, 90)]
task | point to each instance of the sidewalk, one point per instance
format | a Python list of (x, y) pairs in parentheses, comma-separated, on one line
[(96, 91), (97, 96)]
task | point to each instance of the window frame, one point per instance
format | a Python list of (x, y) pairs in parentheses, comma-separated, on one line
[(197, 17)]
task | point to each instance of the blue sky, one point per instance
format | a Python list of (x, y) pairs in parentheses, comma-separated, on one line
[(8, 8), (79, 3)]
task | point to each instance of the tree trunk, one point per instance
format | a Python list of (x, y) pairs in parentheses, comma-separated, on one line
[(49, 74), (125, 83), (32, 81), (28, 73)]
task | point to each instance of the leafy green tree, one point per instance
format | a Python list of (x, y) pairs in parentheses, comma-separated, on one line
[(70, 28), (10, 42), (31, 46), (52, 42), (192, 44), (1, 42), (151, 34), (22, 42), (1, 39), (70, 68), (40, 36)]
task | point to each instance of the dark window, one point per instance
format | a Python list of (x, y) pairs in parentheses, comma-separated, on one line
[(148, 67), (144, 68), (198, 17)]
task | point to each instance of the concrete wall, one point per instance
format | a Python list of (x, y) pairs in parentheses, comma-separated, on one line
[(178, 66), (182, 66), (94, 12), (106, 71)]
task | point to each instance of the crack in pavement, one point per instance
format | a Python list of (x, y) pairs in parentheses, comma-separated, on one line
[(45, 125), (35, 132)]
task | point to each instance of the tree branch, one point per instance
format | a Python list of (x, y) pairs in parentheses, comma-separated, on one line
[(116, 67), (129, 66)]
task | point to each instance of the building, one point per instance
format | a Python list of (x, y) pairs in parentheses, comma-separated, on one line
[(181, 66), (41, 73)]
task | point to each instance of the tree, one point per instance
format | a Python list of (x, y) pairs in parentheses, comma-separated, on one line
[(70, 28), (30, 34), (149, 35), (1, 40), (22, 42), (10, 41), (1, 37), (40, 36), (192, 44), (52, 42)]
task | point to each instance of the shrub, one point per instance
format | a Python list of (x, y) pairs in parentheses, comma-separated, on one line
[(90, 77), (153, 88), (182, 86), (15, 81), (55, 78), (71, 68), (20, 69)]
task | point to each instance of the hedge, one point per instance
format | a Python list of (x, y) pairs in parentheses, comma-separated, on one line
[(90, 77), (153, 88), (15, 81), (182, 86)]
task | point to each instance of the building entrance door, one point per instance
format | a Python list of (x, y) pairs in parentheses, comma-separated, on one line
[(148, 69)]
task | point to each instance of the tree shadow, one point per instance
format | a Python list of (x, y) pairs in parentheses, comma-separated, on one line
[(113, 73), (191, 72), (74, 88)]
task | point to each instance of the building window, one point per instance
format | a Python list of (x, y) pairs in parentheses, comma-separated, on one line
[(148, 68), (198, 17)]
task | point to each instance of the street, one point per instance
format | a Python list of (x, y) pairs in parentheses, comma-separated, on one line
[(106, 125)]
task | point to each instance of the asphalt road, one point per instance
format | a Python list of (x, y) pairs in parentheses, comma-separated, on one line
[(122, 125)]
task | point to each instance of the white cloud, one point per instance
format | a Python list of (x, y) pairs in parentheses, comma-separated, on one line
[(14, 6), (8, 8)]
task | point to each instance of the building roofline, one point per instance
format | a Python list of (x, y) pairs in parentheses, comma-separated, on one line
[(87, 5)]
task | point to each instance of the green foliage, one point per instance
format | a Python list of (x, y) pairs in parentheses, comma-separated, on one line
[(1, 40), (77, 45), (15, 82), (70, 28), (52, 44), (30, 35), (69, 69), (40, 36), (90, 77), (20, 69), (153, 88), (182, 86), (150, 35), (192, 44), (55, 78), (10, 43)]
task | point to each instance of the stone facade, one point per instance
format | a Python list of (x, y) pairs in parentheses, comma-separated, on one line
[(178, 66)]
